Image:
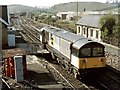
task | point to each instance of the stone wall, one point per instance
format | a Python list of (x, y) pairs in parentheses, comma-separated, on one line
[(112, 40), (113, 60)]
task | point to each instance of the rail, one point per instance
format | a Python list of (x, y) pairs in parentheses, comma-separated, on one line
[(110, 78), (30, 34), (50, 67)]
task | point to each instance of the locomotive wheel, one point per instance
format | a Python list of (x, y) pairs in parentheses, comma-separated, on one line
[(58, 60), (53, 56), (70, 70), (75, 73), (60, 63)]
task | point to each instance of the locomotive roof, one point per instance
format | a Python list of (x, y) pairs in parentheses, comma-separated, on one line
[(71, 37), (80, 43), (77, 40), (55, 31), (64, 34)]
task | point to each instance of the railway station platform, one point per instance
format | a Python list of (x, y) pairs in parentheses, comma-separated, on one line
[(37, 77)]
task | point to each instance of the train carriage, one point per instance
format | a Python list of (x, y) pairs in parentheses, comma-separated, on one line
[(74, 52)]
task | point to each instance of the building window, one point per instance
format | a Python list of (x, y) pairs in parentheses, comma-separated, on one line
[(87, 32), (84, 31), (91, 32), (97, 33), (78, 29)]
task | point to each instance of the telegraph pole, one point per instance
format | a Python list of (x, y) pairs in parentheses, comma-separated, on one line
[(77, 11)]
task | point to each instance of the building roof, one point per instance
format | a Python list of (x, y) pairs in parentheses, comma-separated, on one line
[(71, 37), (3, 21), (90, 20)]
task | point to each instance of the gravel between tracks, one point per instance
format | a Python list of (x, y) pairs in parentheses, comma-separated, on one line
[(56, 76)]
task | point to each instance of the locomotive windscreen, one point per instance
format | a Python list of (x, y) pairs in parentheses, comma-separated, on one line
[(92, 52)]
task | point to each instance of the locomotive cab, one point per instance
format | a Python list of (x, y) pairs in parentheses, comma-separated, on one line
[(88, 55)]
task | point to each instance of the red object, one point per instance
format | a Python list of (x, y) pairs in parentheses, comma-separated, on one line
[(7, 71), (7, 68), (12, 70), (6, 61)]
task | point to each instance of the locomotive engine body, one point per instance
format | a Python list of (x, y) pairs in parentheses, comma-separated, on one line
[(74, 52)]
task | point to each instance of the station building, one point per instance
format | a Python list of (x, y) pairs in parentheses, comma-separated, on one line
[(89, 27)]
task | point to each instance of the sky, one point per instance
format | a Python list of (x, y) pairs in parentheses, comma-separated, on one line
[(42, 2)]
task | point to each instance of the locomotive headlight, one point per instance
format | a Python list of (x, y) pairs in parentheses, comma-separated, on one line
[(102, 59), (84, 61)]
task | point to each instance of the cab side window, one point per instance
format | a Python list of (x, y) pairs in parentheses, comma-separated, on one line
[(75, 52), (52, 40), (85, 52)]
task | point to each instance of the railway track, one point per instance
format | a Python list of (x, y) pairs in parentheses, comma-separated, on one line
[(30, 34), (61, 75), (58, 75), (109, 79)]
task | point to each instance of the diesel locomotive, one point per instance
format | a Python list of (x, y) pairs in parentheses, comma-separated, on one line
[(75, 53)]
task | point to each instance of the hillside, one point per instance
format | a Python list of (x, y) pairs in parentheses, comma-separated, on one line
[(88, 6), (22, 8), (72, 6)]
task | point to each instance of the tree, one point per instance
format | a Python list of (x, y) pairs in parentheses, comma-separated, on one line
[(107, 22), (117, 29), (42, 17), (111, 29)]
